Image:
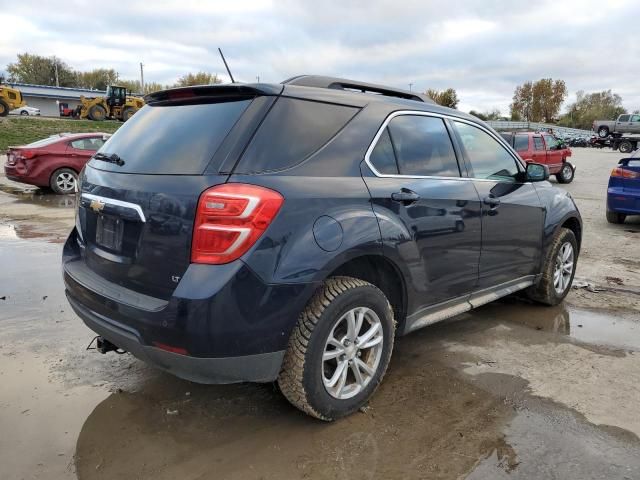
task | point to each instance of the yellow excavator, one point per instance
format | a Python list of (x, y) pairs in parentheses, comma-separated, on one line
[(116, 104), (10, 99)]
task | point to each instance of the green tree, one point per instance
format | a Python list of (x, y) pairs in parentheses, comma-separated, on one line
[(493, 114), (538, 101), (41, 70), (446, 98), (97, 79), (133, 86), (588, 107), (200, 78)]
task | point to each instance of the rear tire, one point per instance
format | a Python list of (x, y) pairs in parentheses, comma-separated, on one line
[(97, 113), (558, 270), (127, 113), (615, 217), (566, 173), (625, 147), (603, 132), (4, 108), (64, 181), (331, 368)]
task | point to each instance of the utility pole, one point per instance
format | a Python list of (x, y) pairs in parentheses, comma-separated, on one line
[(258, 78), (141, 78), (55, 64), (410, 85)]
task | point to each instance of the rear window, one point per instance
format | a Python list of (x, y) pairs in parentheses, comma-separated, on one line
[(172, 139), (521, 143), (293, 131)]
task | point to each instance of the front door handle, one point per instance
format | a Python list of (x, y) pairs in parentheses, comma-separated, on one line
[(405, 196), (493, 202)]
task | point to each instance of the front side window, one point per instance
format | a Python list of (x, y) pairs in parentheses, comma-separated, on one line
[(422, 146), (488, 158), (635, 118), (551, 142), (537, 143)]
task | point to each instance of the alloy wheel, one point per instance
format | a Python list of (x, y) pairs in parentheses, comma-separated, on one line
[(564, 268), (352, 353), (66, 182)]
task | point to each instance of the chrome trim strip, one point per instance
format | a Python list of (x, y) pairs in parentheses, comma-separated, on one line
[(464, 303), (391, 116), (117, 203)]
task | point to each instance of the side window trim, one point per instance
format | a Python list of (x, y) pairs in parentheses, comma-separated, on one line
[(453, 137)]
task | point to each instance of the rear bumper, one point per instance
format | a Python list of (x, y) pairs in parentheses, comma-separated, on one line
[(233, 326), (623, 201), (252, 368)]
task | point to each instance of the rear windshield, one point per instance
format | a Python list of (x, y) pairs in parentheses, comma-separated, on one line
[(293, 131), (172, 139)]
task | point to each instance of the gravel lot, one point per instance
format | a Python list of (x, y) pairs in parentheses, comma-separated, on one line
[(511, 390)]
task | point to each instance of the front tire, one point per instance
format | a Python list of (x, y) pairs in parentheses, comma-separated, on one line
[(558, 270), (566, 173), (339, 350), (4, 108), (603, 132), (127, 113), (615, 217)]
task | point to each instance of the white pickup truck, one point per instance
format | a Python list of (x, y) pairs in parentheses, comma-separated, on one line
[(626, 123)]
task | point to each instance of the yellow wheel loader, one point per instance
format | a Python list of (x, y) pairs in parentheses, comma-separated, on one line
[(116, 104), (10, 99)]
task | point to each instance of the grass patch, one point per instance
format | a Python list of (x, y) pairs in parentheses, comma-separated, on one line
[(20, 131)]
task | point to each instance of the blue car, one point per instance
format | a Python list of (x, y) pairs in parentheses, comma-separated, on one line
[(623, 193)]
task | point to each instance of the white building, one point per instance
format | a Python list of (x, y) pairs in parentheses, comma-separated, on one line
[(50, 100)]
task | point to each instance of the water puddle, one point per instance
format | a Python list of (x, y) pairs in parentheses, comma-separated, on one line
[(611, 329), (9, 232)]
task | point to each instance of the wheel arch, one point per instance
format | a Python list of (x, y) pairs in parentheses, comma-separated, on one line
[(381, 272), (575, 225)]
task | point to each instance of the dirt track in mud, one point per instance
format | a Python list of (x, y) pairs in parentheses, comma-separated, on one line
[(512, 390)]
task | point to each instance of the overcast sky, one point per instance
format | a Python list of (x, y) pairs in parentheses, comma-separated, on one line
[(483, 49)]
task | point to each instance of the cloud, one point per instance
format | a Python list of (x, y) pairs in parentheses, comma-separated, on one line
[(483, 49)]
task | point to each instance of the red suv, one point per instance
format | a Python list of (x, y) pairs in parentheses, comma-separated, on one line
[(53, 162), (542, 147)]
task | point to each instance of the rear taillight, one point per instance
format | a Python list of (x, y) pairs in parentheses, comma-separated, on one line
[(230, 219), (28, 153), (624, 173)]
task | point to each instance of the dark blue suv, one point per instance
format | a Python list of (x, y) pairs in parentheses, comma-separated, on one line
[(290, 231)]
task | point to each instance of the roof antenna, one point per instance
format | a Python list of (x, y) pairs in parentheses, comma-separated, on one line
[(226, 66)]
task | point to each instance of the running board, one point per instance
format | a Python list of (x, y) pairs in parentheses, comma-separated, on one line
[(441, 311)]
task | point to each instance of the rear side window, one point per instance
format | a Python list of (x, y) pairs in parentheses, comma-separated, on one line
[(88, 143), (521, 143), (293, 131), (422, 146), (172, 139), (382, 157)]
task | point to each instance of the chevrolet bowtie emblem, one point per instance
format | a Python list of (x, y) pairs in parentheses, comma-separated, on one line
[(96, 205)]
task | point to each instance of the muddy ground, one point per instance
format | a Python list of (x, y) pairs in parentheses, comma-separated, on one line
[(512, 390)]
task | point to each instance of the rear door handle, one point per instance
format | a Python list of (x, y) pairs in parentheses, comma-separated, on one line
[(405, 196), (493, 202)]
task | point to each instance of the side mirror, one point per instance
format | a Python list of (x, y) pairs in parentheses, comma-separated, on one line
[(536, 172)]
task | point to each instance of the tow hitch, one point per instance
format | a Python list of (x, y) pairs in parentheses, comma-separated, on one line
[(104, 346)]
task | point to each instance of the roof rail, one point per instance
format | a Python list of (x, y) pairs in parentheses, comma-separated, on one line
[(320, 81)]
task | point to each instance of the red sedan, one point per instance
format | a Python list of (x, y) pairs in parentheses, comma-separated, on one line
[(53, 162)]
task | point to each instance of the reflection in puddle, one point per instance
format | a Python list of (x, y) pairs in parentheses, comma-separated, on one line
[(28, 231), (599, 328), (35, 196)]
